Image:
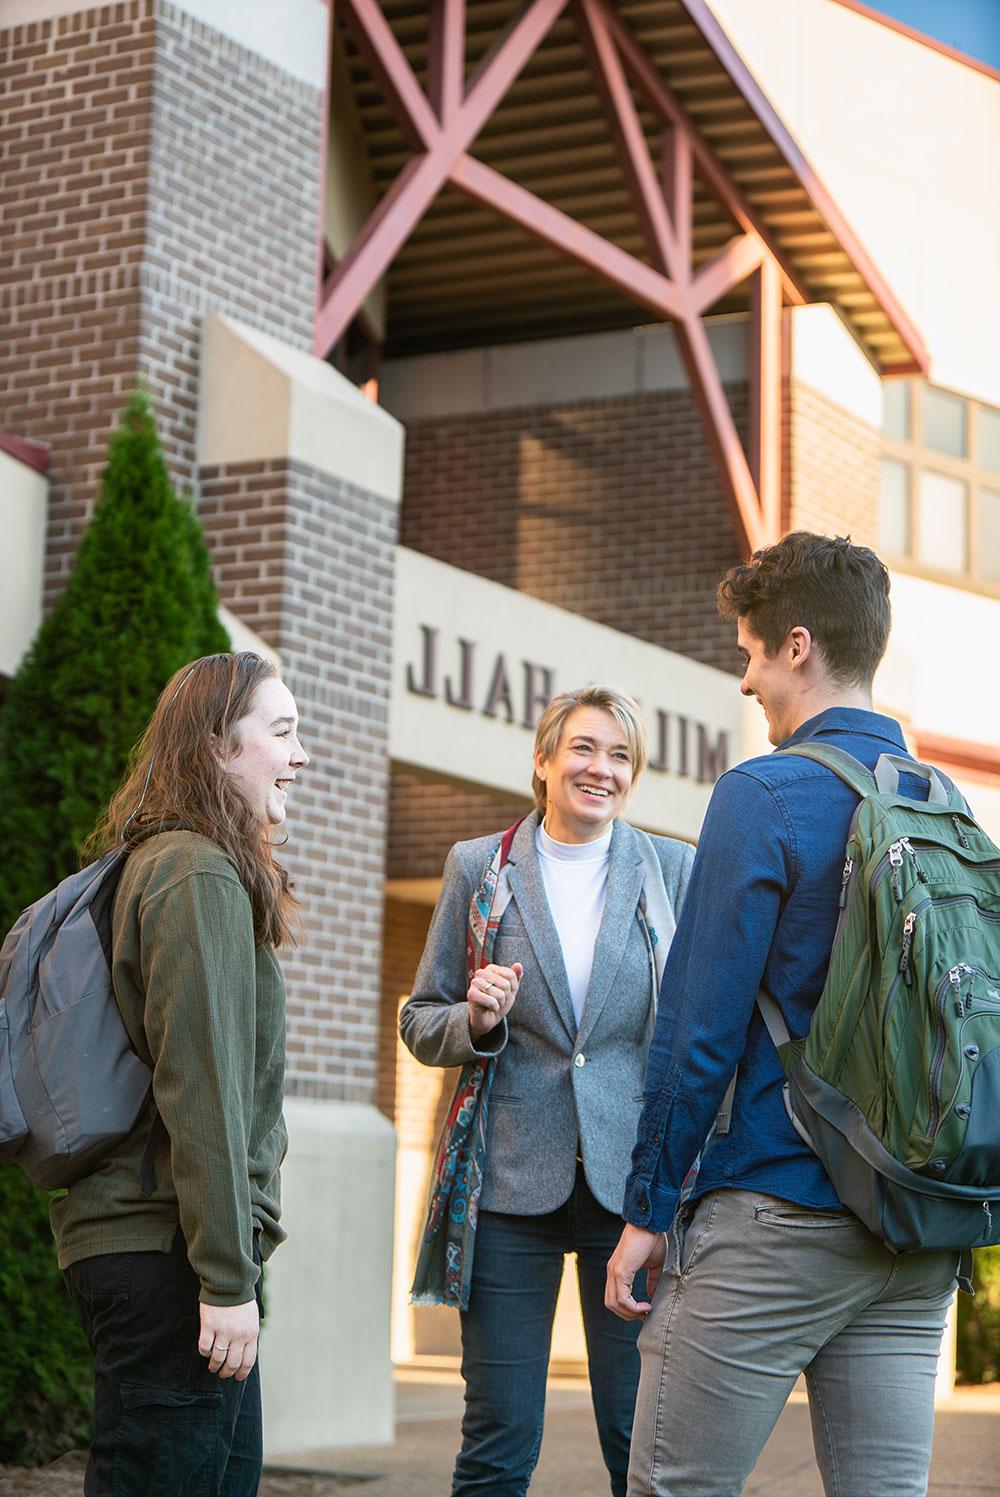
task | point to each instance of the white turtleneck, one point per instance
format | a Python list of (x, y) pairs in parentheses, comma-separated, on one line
[(575, 876)]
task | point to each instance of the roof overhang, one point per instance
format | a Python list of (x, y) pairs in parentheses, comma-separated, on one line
[(465, 276)]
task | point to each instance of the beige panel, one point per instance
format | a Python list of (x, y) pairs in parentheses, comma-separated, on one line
[(23, 514), (325, 1342), (520, 635), (262, 399), (553, 370)]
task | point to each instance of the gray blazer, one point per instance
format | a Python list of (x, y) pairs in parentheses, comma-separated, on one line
[(557, 1090)]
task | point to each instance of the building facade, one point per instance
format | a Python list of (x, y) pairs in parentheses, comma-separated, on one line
[(486, 336)]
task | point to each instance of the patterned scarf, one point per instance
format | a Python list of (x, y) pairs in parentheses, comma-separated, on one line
[(443, 1274)]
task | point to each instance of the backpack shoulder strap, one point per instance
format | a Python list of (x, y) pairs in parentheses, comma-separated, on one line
[(843, 764), (774, 1021)]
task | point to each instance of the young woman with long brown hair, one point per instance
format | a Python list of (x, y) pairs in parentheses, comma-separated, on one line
[(161, 1245)]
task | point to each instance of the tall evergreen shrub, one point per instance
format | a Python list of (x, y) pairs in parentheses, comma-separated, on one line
[(140, 603), (978, 1349)]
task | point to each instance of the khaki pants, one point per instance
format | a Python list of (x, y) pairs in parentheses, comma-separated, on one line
[(758, 1291)]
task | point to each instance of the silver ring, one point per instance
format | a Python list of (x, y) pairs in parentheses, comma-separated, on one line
[(223, 1349)]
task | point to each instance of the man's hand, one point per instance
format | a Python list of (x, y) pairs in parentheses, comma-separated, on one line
[(638, 1248), (491, 996), (229, 1338)]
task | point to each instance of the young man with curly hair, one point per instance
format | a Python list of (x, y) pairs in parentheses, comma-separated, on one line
[(764, 1274)]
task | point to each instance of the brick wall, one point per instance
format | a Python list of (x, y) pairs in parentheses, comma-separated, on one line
[(610, 508), (405, 933), (427, 816), (231, 212), (835, 467), (150, 170), (74, 158), (308, 563)]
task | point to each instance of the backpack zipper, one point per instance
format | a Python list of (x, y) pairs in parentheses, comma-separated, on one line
[(845, 879), (909, 925), (918, 869), (951, 979), (891, 862)]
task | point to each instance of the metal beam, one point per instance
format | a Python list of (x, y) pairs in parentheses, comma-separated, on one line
[(446, 58), (375, 40), (629, 137), (766, 373), (417, 185), (665, 209), (729, 268), (502, 65), (678, 188), (720, 428), (665, 103), (623, 270), (377, 245)]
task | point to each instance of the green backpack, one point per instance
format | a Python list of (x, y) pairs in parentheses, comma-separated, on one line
[(896, 1087)]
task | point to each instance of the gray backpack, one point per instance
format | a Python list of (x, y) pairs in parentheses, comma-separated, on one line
[(71, 1086)]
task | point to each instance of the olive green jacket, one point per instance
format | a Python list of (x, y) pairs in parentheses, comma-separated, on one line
[(205, 1008)]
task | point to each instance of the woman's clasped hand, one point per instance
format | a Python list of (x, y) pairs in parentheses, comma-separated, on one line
[(491, 996)]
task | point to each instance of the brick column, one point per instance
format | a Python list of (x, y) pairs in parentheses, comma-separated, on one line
[(306, 560), (152, 168), (300, 478)]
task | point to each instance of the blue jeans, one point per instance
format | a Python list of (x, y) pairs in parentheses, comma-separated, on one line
[(163, 1424), (507, 1331)]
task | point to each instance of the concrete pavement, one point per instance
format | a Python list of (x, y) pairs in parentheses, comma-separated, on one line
[(966, 1452)]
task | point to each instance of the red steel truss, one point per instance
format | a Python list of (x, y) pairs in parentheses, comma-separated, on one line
[(442, 125)]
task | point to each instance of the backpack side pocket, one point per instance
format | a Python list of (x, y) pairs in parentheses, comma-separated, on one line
[(13, 1128)]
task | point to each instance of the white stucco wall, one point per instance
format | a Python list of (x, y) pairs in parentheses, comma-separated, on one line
[(940, 669), (23, 513), (908, 142), (588, 366), (297, 45), (938, 673)]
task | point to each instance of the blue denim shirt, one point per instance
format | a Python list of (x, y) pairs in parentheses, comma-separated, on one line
[(761, 908)]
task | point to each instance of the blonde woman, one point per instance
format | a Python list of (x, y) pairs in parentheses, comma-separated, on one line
[(558, 1016)]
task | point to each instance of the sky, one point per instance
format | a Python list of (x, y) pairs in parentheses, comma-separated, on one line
[(973, 26)]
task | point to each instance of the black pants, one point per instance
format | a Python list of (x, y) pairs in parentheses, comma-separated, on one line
[(164, 1426)]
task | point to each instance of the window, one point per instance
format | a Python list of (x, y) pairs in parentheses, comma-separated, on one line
[(939, 500), (896, 417), (989, 438), (942, 524), (943, 422), (989, 534), (894, 508)]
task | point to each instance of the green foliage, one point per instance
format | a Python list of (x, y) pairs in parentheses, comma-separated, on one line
[(140, 604), (45, 1370), (979, 1322)]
